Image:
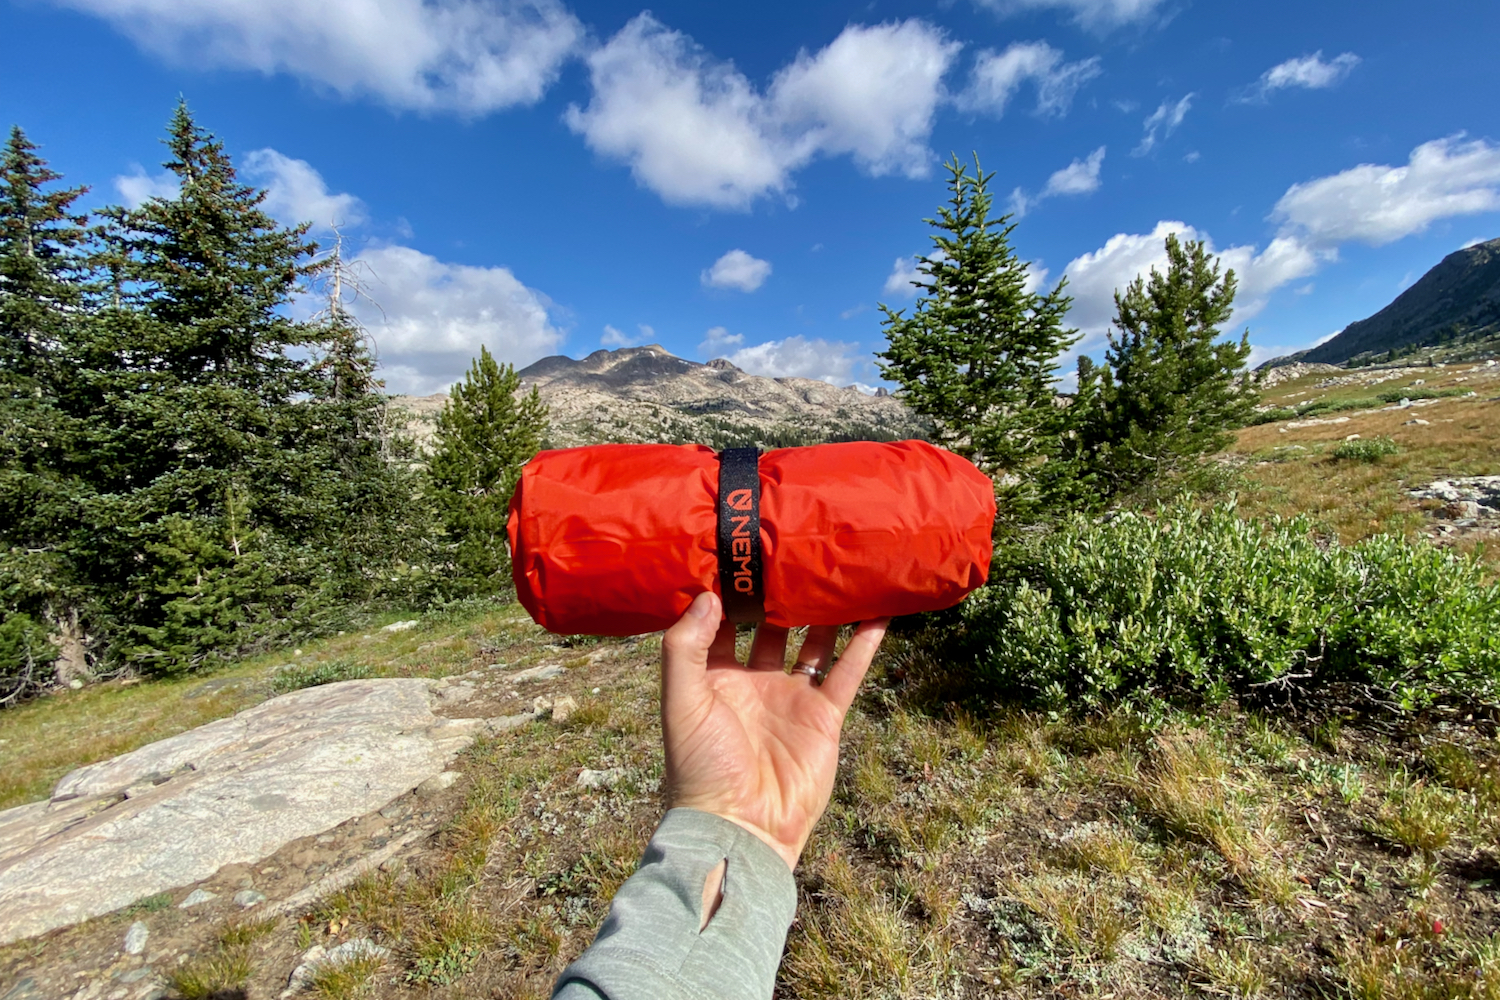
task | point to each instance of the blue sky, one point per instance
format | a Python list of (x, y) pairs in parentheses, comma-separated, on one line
[(747, 180)]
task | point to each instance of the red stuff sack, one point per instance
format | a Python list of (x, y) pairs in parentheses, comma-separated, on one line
[(618, 539)]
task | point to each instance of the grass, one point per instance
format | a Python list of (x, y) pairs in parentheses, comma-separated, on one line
[(45, 739), (1290, 470)]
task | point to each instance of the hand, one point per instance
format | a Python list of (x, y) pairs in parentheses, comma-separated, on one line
[(752, 743)]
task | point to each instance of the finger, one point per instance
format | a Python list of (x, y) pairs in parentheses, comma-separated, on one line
[(817, 648), (684, 649), (768, 651), (843, 680), (722, 652)]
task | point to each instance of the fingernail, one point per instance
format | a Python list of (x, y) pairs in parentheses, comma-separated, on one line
[(702, 605)]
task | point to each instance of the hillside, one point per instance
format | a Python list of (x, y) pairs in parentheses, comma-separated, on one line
[(644, 394), (1455, 304)]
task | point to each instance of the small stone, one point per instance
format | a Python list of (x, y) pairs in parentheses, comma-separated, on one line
[(1351, 437), (76, 684), (541, 705), (247, 898), (505, 723), (303, 973), (437, 783), (596, 690), (196, 897), (394, 810), (135, 938), (136, 975), (607, 778), (24, 989), (457, 694), (1416, 422), (401, 626), (356, 948), (296, 652), (563, 708), (545, 672)]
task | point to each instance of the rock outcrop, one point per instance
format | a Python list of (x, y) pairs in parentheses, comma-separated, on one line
[(233, 791), (642, 394)]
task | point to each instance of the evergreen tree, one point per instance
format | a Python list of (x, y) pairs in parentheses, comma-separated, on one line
[(485, 434), (1170, 390), (978, 355), (40, 295)]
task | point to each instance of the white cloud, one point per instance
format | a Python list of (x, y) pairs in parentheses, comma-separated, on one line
[(828, 361), (717, 341), (1096, 15), (903, 273), (697, 132), (998, 75), (470, 56), (1078, 177), (433, 316), (297, 193), (1309, 72), (1163, 120), (1094, 277), (737, 269), (614, 337), (136, 187), (1377, 204)]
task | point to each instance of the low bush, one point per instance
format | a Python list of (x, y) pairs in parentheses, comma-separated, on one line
[(1397, 395), (298, 676), (1204, 604), (1366, 449)]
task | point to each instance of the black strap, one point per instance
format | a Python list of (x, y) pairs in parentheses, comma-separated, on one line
[(740, 578)]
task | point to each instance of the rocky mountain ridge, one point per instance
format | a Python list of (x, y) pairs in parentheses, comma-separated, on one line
[(1455, 304), (647, 394)]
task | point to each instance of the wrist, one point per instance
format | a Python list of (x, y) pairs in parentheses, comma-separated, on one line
[(788, 852)]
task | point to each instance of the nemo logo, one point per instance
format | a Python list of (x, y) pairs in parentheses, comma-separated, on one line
[(739, 500), (739, 546)]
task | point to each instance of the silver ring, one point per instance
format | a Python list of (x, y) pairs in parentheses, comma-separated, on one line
[(806, 669)]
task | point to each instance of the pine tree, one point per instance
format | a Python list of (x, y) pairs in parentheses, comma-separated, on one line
[(1170, 389), (207, 516), (41, 290), (978, 355), (485, 434)]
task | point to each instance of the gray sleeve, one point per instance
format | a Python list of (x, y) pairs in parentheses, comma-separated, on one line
[(650, 947)]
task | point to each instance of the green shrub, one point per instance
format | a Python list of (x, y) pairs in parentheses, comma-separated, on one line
[(299, 676), (1202, 603), (1366, 449), (26, 657), (1397, 395)]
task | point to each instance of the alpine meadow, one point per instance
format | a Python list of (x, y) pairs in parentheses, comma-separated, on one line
[(1222, 717)]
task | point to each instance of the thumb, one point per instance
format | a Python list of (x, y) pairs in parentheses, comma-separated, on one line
[(684, 648)]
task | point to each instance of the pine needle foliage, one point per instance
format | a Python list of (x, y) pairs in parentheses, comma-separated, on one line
[(1170, 389), (979, 353), (485, 433)]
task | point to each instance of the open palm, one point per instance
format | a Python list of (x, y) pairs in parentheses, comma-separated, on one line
[(750, 742)]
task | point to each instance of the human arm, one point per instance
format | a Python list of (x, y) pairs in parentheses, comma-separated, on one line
[(751, 753)]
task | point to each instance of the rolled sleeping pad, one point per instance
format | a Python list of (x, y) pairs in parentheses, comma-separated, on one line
[(618, 539)]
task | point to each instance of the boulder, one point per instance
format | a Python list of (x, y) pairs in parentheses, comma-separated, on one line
[(230, 792)]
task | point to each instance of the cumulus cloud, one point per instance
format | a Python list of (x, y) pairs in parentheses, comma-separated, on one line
[(614, 337), (737, 269), (1376, 204), (1078, 177), (469, 56), (138, 187), (998, 75), (296, 192), (1093, 278), (433, 316), (1308, 72), (717, 341), (828, 361), (697, 132), (1096, 15), (1163, 122), (903, 273)]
